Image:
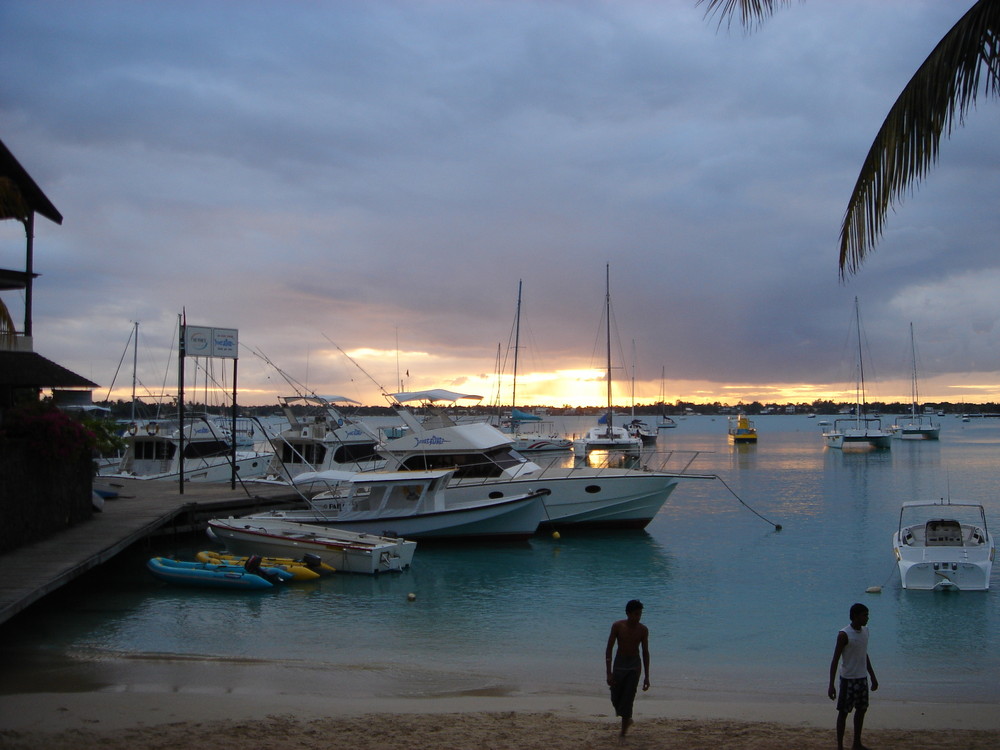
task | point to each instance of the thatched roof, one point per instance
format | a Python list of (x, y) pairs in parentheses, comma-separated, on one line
[(19, 194), (30, 370)]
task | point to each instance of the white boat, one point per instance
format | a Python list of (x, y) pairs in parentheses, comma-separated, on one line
[(346, 551), (606, 436), (601, 497), (414, 505), (320, 437), (153, 452), (858, 431), (943, 546), (915, 426)]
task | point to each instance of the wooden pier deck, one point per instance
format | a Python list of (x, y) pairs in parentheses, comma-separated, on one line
[(142, 509)]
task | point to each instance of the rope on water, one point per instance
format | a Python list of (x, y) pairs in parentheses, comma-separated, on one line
[(878, 589), (777, 526)]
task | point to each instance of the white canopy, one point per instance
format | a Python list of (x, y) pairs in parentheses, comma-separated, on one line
[(435, 394)]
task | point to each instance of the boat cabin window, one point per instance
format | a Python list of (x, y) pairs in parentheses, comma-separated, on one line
[(466, 465), (944, 534), (303, 453), (205, 448), (354, 453), (154, 450)]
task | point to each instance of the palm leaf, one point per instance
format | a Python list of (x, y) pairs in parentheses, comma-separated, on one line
[(939, 95), (752, 12)]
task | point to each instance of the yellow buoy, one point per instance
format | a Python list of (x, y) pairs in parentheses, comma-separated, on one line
[(555, 535)]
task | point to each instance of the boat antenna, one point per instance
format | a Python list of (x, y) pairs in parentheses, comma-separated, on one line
[(382, 390), (777, 526)]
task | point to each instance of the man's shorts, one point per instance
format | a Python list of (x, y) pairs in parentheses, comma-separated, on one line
[(853, 695)]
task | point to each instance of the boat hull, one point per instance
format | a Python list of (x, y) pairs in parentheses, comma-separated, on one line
[(590, 498), (347, 552), (514, 519)]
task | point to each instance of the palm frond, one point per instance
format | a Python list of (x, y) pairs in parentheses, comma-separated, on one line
[(752, 12), (937, 98)]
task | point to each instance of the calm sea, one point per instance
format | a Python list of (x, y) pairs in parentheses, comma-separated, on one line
[(734, 607)]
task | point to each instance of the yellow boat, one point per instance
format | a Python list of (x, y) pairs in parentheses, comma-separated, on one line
[(301, 570), (742, 430)]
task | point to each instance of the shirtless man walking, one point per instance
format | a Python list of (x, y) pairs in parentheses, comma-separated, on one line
[(623, 675)]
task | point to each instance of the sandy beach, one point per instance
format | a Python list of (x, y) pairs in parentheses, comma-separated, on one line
[(194, 720)]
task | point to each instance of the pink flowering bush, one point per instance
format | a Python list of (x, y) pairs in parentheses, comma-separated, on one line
[(48, 432)]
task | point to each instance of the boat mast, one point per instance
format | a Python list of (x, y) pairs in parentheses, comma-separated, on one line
[(913, 387), (607, 309), (517, 341), (861, 366), (135, 361)]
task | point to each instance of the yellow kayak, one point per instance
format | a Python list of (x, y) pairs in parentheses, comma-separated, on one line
[(301, 570)]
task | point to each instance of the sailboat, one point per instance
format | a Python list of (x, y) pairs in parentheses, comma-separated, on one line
[(529, 432), (636, 427), (605, 436), (917, 426), (859, 431), (664, 422)]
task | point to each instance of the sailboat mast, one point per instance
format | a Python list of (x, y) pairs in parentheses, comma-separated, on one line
[(517, 341), (913, 386), (135, 364), (607, 309), (861, 364)]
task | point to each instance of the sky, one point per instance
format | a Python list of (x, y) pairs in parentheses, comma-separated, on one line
[(377, 178)]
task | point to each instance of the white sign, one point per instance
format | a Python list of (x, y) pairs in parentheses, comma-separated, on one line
[(200, 341)]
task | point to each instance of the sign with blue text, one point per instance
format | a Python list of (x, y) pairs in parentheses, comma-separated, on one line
[(201, 341)]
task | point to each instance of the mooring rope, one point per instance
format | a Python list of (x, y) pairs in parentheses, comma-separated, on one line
[(777, 526)]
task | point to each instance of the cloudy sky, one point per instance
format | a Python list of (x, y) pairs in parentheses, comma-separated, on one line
[(378, 177)]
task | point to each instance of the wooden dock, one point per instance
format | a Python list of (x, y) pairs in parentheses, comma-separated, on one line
[(142, 509)]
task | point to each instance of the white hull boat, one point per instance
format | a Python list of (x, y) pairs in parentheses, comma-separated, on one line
[(916, 426), (859, 432), (606, 436), (347, 551), (862, 434), (414, 505), (602, 497), (154, 453), (943, 546), (319, 437)]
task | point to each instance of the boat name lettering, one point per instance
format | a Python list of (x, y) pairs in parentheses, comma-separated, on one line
[(433, 440)]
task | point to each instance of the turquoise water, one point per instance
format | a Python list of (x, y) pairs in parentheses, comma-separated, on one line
[(733, 605)]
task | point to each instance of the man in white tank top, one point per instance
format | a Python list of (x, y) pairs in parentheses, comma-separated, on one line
[(851, 652)]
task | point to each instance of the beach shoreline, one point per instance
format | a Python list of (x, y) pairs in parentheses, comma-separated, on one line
[(195, 718)]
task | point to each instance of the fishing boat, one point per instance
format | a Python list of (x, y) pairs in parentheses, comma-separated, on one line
[(246, 577), (319, 437), (600, 497), (943, 546), (916, 426), (154, 452), (606, 436), (742, 429), (413, 505), (529, 432), (345, 551), (858, 431)]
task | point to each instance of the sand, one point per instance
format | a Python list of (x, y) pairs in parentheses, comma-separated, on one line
[(189, 719)]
